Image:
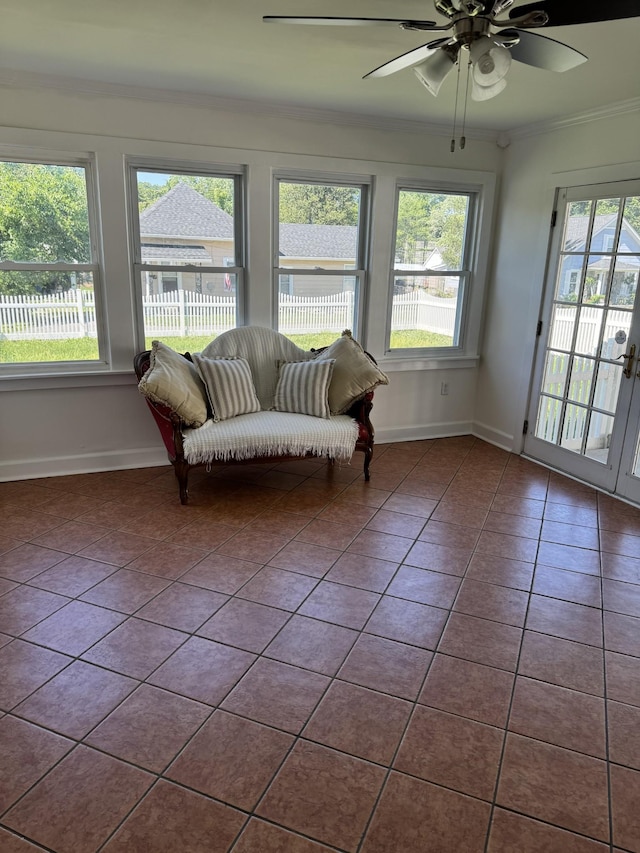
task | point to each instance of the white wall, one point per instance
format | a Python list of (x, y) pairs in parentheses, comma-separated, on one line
[(594, 152), (51, 426)]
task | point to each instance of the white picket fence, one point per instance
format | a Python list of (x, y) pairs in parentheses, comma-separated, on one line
[(72, 314)]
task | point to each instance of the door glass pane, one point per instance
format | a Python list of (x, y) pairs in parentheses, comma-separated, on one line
[(596, 280), (569, 281), (616, 334), (589, 327), (582, 372), (555, 373), (549, 419), (562, 327), (607, 386), (599, 437), (573, 428), (625, 280), (576, 226), (605, 225)]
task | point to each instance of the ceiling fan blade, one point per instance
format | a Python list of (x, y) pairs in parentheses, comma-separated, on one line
[(405, 60), (348, 22), (563, 13), (543, 52)]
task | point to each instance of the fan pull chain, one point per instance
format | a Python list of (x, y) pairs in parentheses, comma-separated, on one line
[(455, 110), (463, 138)]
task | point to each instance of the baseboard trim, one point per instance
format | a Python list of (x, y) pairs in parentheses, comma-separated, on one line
[(420, 433), (493, 436), (89, 463)]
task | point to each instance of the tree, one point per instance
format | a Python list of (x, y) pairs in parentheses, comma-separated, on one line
[(431, 220), (43, 219), (448, 226), (319, 204)]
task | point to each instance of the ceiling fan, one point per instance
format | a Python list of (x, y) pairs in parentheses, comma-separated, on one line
[(491, 41)]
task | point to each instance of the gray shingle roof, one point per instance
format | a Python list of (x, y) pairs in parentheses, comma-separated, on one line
[(184, 212), (168, 252), (318, 241)]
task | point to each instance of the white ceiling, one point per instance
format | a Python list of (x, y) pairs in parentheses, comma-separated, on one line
[(222, 48)]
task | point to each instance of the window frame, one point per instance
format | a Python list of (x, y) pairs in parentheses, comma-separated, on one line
[(85, 160), (361, 272), (166, 166), (466, 275)]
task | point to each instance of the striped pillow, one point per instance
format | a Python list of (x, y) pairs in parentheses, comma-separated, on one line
[(229, 386), (303, 387)]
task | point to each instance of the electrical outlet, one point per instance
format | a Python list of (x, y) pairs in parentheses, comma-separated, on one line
[(444, 388)]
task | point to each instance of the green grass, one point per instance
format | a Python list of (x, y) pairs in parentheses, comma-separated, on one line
[(86, 349)]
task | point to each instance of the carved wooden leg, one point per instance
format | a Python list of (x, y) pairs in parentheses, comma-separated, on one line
[(182, 474), (368, 454)]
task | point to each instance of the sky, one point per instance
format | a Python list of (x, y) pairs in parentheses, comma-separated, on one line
[(153, 177)]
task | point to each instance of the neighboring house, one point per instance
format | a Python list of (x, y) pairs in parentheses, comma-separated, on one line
[(183, 227), (625, 276)]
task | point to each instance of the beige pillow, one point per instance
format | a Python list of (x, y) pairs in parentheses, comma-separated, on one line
[(354, 373), (174, 382), (229, 385)]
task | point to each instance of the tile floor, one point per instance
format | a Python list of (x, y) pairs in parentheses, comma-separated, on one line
[(444, 660)]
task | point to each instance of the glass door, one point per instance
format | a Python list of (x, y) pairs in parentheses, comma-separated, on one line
[(580, 419)]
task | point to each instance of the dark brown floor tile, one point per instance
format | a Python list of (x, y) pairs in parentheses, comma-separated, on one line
[(396, 523), (203, 533), (312, 644), (305, 558), (220, 573), (451, 751), (555, 785), (489, 601), (135, 648), (278, 588), (569, 557), (28, 752), (516, 574), (231, 759), (620, 568), (281, 523), (339, 604), (24, 524), (24, 606), (565, 491), (387, 666), (75, 701), (72, 536), (277, 694), (407, 622), (514, 525), (469, 689), (572, 665), (253, 545), (623, 678), (319, 532), (621, 633), (512, 505), (360, 722), (244, 624), (74, 628), (581, 515), (509, 547), (363, 493), (410, 505), (439, 558), (414, 484), (511, 832), (381, 545), (80, 802), (452, 512), (149, 728), (267, 838), (621, 597), (415, 816), (6, 585), (362, 571), (28, 560), (343, 791), (450, 535), (425, 587), (482, 641), (73, 576), (171, 818), (10, 843), (202, 670), (620, 543), (168, 561), (118, 548), (623, 722), (625, 793), (559, 716), (566, 620), (183, 607), (340, 509), (576, 535), (25, 667), (125, 591), (568, 586)]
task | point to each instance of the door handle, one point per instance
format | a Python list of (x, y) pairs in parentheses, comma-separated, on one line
[(629, 356)]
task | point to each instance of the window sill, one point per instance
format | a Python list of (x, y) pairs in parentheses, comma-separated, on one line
[(399, 364), (51, 381)]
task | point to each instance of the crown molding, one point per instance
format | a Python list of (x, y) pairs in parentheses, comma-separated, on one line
[(29, 79), (598, 114)]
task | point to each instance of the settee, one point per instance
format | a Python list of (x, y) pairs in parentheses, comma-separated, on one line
[(253, 395)]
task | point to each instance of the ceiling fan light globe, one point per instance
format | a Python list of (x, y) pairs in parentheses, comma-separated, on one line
[(485, 93), (491, 61), (433, 71)]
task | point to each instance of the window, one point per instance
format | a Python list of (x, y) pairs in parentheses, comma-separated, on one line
[(189, 254), (321, 232), (49, 295), (431, 268)]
